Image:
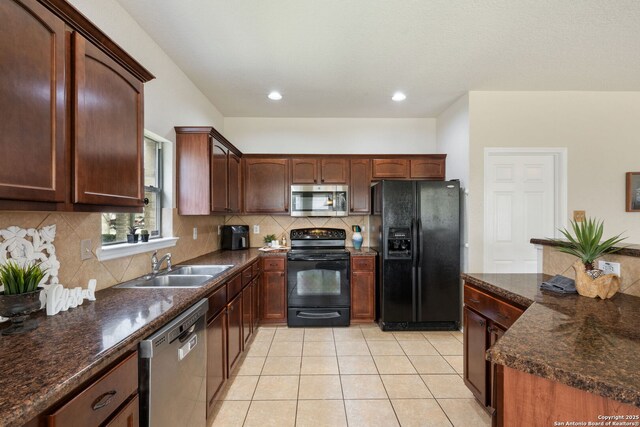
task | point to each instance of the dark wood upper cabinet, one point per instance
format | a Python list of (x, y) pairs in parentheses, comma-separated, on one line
[(432, 167), (266, 185), (235, 192), (108, 130), (360, 186), (208, 172), (219, 178), (317, 170), (389, 168), (304, 171), (32, 103), (192, 170), (334, 171), (71, 102)]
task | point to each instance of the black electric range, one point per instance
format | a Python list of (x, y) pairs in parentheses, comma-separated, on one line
[(318, 288)]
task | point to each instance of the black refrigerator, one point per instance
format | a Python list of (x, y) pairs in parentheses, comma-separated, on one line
[(415, 227)]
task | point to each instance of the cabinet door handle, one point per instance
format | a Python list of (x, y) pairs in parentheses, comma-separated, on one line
[(490, 329), (281, 274), (475, 301), (103, 400), (482, 323)]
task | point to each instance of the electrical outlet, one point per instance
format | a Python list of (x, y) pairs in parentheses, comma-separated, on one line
[(195, 233), (579, 216), (256, 229), (219, 230), (609, 267), (85, 249)]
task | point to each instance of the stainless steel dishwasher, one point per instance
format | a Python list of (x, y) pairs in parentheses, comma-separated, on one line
[(173, 378)]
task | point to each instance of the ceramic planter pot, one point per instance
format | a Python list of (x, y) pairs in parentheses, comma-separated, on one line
[(18, 308), (132, 238), (604, 286), (144, 237)]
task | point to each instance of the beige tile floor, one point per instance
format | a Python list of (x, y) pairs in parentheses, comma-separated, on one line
[(356, 376)]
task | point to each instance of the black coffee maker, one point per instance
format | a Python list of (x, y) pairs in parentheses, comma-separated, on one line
[(235, 237)]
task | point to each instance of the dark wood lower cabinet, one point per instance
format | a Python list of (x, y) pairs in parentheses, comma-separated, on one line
[(128, 416), (235, 338), (363, 304), (475, 345), (216, 358), (255, 302), (274, 297), (247, 324), (486, 319)]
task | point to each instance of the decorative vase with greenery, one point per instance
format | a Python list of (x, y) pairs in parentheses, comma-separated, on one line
[(144, 235), (586, 245), (21, 295), (269, 238), (132, 237)]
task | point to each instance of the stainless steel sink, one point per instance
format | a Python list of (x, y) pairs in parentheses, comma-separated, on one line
[(211, 270), (186, 276), (168, 281)]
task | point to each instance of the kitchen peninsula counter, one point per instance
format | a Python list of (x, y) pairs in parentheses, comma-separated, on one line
[(584, 343)]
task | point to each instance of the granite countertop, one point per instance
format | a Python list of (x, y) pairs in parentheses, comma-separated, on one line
[(363, 251), (66, 350), (627, 250), (590, 344)]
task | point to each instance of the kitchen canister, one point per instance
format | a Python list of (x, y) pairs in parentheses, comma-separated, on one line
[(357, 236)]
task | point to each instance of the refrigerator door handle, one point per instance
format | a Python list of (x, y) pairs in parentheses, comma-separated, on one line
[(419, 245), (414, 243)]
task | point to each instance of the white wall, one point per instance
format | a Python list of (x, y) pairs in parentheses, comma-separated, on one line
[(601, 131), (331, 135), (171, 99), (452, 132)]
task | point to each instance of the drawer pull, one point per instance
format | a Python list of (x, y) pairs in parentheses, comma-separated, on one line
[(475, 301), (273, 265), (103, 400)]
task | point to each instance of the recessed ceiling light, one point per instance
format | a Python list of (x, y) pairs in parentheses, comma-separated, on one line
[(275, 96), (399, 96)]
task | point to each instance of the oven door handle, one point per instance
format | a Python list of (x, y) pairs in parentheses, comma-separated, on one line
[(318, 259), (308, 315)]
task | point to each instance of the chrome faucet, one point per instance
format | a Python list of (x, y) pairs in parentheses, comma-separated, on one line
[(157, 263)]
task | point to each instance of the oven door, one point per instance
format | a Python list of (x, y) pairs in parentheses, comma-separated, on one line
[(318, 281)]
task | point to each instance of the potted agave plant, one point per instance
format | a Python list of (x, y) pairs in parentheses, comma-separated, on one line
[(21, 295), (132, 237), (586, 245)]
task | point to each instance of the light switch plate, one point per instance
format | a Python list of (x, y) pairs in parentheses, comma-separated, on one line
[(256, 229), (85, 249), (195, 233), (579, 216)]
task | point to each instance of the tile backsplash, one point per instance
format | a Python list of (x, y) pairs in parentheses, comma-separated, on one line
[(71, 228), (282, 225), (556, 262)]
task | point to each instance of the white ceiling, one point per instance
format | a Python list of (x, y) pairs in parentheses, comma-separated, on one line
[(345, 58)]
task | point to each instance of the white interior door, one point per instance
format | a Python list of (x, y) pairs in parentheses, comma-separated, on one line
[(520, 204)]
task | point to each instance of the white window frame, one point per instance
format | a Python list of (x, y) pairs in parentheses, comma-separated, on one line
[(120, 250)]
